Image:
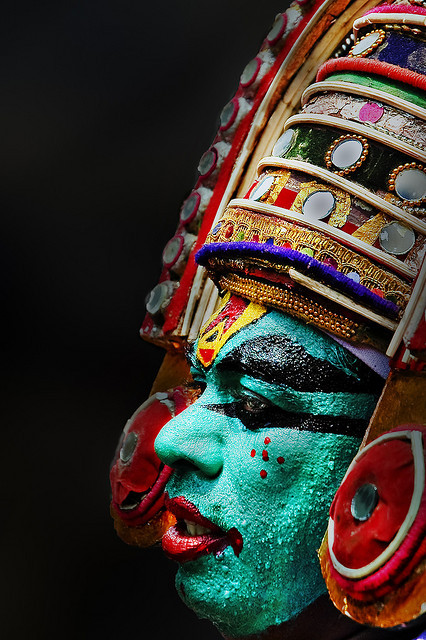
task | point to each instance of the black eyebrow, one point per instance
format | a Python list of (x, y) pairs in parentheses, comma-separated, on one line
[(279, 360)]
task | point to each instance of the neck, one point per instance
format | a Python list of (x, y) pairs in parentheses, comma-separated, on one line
[(324, 622)]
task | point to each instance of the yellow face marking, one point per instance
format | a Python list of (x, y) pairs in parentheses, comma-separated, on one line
[(233, 314)]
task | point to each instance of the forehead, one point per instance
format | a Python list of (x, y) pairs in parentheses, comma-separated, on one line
[(238, 322)]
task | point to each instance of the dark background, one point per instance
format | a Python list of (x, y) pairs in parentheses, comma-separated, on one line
[(105, 110)]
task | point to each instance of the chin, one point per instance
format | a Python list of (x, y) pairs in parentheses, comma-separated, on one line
[(244, 603)]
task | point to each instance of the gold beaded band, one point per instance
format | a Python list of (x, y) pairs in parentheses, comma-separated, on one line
[(239, 224), (294, 303), (303, 307)]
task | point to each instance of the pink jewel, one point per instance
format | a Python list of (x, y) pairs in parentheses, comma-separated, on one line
[(330, 262), (371, 112), (378, 292)]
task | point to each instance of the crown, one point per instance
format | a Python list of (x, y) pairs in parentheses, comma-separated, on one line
[(332, 229)]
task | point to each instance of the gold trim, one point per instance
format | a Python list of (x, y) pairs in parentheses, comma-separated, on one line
[(277, 186), (260, 228), (370, 230)]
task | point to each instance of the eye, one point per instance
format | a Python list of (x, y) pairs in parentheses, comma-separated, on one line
[(253, 404)]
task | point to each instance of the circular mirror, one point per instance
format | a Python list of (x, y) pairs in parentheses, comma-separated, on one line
[(250, 72), (207, 162), (283, 143), (228, 114), (364, 502), (396, 238), (190, 207), (172, 251), (346, 153), (410, 184), (318, 205), (129, 446), (366, 43), (277, 28), (156, 298), (262, 188)]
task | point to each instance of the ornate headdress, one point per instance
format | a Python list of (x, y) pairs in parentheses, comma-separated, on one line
[(312, 200)]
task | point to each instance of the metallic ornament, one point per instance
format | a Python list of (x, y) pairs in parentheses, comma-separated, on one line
[(410, 184), (396, 238), (262, 188), (368, 43), (283, 143), (346, 154), (318, 205), (364, 502)]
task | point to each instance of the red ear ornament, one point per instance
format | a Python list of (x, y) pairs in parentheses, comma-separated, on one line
[(376, 532), (138, 477)]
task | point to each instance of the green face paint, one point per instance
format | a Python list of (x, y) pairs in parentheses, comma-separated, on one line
[(253, 454)]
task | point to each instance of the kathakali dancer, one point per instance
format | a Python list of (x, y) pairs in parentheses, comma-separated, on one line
[(288, 476)]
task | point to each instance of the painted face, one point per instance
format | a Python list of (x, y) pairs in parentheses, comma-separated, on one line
[(258, 459)]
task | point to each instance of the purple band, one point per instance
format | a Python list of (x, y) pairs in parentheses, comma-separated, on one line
[(313, 268)]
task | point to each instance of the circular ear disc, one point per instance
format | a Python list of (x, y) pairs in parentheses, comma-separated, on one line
[(376, 553)]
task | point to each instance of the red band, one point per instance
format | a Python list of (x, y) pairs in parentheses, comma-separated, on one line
[(375, 67)]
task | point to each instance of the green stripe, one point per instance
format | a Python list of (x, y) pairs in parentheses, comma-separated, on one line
[(398, 89)]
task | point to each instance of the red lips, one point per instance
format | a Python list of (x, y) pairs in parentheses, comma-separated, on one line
[(178, 544)]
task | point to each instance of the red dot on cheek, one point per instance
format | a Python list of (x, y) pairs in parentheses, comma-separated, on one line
[(280, 460), (265, 455), (253, 453), (267, 440), (263, 474)]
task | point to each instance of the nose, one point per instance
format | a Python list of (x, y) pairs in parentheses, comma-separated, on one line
[(192, 441)]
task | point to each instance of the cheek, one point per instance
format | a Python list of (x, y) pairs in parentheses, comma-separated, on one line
[(267, 457)]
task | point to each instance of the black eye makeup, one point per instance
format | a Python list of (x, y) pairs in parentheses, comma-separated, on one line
[(197, 382), (255, 413)]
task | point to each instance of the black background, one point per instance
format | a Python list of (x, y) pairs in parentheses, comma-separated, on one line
[(105, 110)]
